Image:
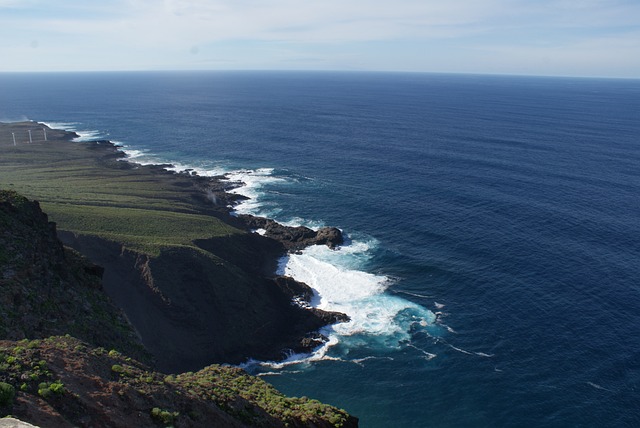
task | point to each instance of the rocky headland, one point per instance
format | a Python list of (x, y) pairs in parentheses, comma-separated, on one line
[(155, 267)]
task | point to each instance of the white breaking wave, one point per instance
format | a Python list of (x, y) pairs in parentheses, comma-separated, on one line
[(83, 135), (66, 126), (377, 319), (88, 136), (339, 287), (340, 284), (252, 182)]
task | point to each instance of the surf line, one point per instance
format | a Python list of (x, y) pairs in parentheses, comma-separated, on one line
[(336, 276), (340, 284)]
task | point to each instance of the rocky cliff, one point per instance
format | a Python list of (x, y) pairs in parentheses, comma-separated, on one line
[(47, 289), (98, 381)]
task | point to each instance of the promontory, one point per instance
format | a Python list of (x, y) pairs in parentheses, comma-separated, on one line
[(136, 283)]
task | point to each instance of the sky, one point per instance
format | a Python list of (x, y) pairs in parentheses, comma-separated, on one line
[(595, 38)]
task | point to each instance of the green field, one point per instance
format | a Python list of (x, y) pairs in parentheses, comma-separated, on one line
[(86, 189)]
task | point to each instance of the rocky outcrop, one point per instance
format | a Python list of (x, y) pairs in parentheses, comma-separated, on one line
[(294, 238), (15, 423)]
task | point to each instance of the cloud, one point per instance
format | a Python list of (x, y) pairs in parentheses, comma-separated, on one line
[(155, 33)]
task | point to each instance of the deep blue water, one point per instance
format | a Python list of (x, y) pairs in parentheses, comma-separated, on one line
[(502, 214)]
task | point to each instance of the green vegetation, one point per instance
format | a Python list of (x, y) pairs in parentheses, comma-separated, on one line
[(7, 392), (224, 384), (22, 367), (163, 416), (117, 368), (47, 390), (85, 188), (37, 368)]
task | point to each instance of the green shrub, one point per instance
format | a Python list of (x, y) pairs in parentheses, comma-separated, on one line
[(47, 390), (57, 388), (163, 416), (7, 392)]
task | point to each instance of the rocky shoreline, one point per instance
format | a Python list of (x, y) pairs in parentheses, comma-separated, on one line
[(186, 314), (157, 281), (274, 242)]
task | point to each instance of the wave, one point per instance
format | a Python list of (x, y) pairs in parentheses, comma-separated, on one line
[(140, 156), (83, 135), (379, 320), (250, 185), (339, 287), (600, 387)]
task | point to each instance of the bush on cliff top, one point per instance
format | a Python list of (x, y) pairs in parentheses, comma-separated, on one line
[(223, 384), (7, 392)]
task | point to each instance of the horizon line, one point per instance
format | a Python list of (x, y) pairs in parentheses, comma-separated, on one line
[(334, 71)]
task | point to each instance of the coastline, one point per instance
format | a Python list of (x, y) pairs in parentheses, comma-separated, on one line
[(154, 278), (61, 342)]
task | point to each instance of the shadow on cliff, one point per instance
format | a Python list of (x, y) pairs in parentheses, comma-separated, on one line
[(192, 307)]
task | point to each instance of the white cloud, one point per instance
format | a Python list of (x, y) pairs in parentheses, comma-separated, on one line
[(171, 33)]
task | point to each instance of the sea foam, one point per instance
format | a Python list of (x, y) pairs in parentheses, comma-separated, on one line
[(250, 185), (339, 286), (378, 319), (340, 283), (83, 135)]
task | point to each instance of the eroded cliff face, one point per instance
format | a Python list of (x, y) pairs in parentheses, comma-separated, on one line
[(194, 307), (218, 300), (46, 289)]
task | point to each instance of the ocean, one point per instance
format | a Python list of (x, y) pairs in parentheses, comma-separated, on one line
[(492, 262)]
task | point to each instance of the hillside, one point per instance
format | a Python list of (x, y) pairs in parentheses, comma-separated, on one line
[(63, 382), (186, 273), (158, 283)]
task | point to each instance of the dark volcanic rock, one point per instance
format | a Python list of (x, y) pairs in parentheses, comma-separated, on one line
[(329, 236), (294, 289), (185, 299), (294, 238)]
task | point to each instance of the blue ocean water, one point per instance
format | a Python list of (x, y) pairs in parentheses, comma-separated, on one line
[(493, 263)]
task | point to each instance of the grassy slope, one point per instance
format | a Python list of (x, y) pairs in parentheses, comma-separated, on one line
[(85, 189)]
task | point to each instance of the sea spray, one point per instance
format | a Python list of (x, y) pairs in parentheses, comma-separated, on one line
[(377, 318), (251, 186), (379, 321), (83, 134)]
